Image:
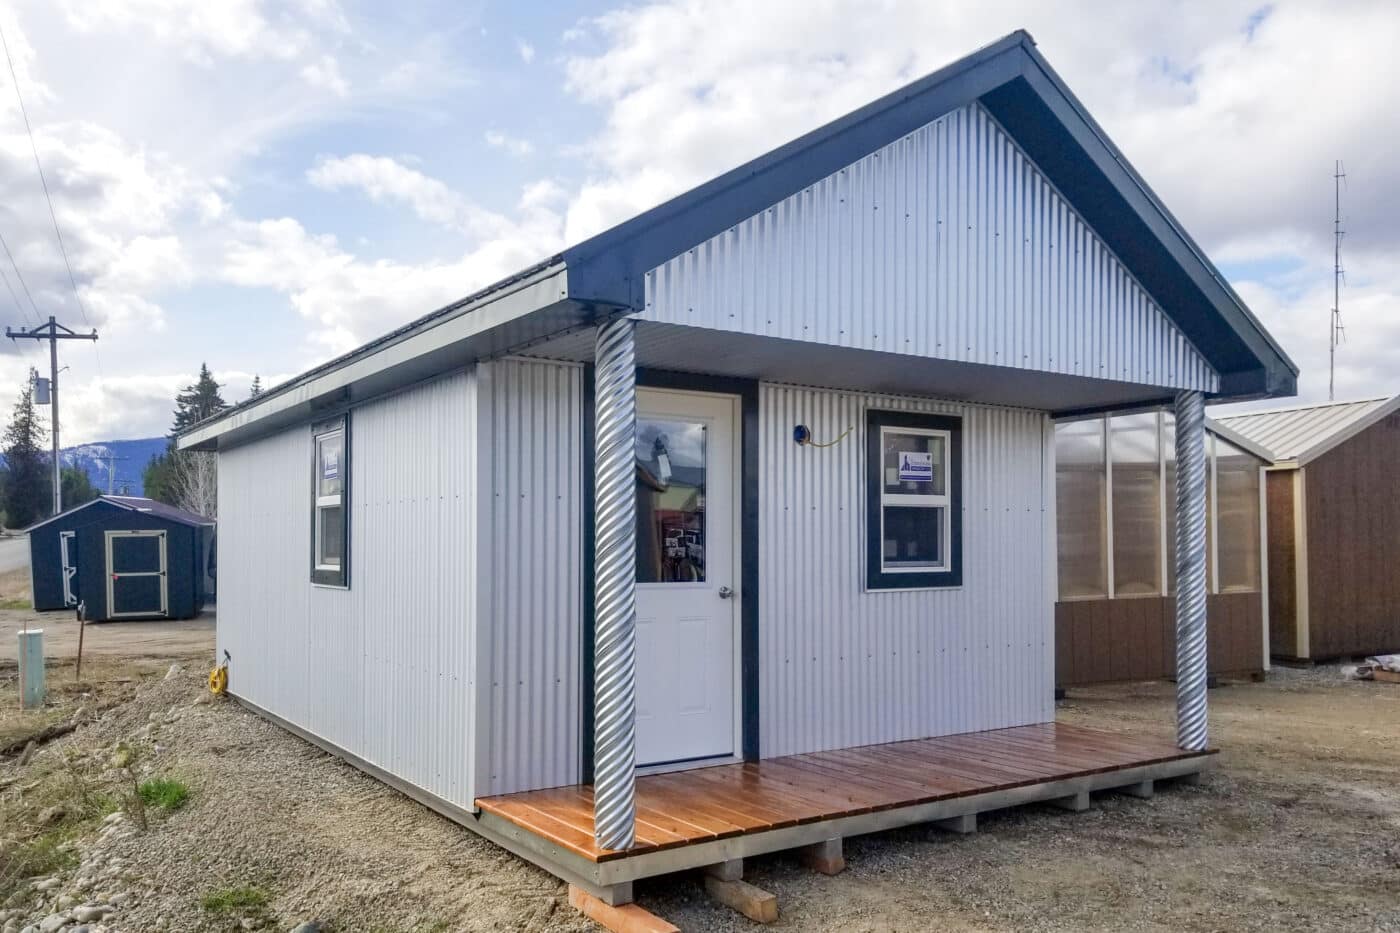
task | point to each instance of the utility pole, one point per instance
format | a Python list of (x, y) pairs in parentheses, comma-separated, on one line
[(111, 460), (1335, 331), (53, 332)]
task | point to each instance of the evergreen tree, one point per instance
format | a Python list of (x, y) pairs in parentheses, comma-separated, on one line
[(28, 487), (198, 401), (77, 487), (194, 403), (257, 388)]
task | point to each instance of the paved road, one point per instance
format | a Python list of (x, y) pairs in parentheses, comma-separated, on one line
[(14, 553)]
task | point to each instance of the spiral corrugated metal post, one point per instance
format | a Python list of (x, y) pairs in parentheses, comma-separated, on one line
[(1191, 571), (615, 568)]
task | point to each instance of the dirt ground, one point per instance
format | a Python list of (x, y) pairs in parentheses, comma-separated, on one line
[(1298, 829)]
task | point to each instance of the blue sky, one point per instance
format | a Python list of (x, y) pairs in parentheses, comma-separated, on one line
[(261, 185)]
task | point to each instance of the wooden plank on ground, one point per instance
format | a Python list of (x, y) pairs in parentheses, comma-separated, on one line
[(626, 918), (754, 903)]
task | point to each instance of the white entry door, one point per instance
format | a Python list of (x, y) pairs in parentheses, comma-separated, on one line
[(687, 576)]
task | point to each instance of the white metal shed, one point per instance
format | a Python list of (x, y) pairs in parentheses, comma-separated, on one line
[(759, 476)]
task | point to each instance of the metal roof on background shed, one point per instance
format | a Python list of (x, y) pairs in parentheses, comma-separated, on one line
[(133, 504), (605, 275), (1304, 432)]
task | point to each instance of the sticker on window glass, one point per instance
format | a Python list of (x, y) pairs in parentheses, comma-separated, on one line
[(915, 466), (330, 464)]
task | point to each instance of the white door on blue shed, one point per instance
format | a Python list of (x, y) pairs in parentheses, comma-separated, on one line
[(687, 576)]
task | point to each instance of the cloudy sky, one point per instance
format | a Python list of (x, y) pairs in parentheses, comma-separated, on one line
[(261, 185)]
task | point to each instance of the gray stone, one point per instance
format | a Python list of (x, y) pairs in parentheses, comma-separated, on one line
[(310, 926), (91, 912), (53, 922)]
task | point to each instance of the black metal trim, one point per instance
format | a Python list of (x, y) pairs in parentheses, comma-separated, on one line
[(747, 391), (338, 578), (586, 646), (875, 579)]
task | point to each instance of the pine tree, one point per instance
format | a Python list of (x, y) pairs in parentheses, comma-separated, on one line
[(198, 401), (195, 402), (77, 487), (257, 388), (28, 487)]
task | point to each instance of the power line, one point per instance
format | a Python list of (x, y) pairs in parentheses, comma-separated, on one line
[(53, 332), (34, 147), (14, 265)]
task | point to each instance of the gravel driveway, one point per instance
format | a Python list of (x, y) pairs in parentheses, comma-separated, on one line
[(1297, 830)]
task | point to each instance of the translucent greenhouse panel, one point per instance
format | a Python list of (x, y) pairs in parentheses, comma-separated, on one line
[(1237, 518), (1080, 491), (1137, 508)]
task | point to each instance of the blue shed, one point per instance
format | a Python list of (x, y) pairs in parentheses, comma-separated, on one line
[(123, 557)]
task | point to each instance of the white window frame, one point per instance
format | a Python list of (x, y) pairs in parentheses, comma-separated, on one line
[(326, 574), (931, 501)]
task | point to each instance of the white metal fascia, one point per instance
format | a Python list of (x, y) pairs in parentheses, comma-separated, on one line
[(546, 287)]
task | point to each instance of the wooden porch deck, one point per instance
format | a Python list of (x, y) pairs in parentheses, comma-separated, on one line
[(733, 810)]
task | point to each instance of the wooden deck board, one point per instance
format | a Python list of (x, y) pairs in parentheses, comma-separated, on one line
[(691, 807)]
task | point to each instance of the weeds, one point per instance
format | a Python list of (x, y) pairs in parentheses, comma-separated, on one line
[(244, 906), (165, 793), (124, 760)]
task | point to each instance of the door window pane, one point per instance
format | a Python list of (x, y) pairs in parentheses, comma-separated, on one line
[(670, 501), (913, 538), (1080, 509), (1137, 529), (1237, 518)]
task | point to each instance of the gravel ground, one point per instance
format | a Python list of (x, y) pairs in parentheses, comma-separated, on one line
[(1297, 830)]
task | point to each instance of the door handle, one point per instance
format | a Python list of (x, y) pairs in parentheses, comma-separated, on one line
[(726, 593)]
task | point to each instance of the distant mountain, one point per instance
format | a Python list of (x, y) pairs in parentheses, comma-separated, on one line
[(132, 457)]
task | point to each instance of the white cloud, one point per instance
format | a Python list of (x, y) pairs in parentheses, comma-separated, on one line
[(512, 144), (387, 181), (526, 50), (325, 74)]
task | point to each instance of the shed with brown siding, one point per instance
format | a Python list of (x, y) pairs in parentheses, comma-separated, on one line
[(1116, 609), (1333, 511)]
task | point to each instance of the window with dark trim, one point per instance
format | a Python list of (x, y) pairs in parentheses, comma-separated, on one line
[(330, 502), (913, 500)]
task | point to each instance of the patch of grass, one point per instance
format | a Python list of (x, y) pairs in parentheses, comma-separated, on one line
[(239, 899), (165, 793), (15, 603), (42, 855), (232, 906)]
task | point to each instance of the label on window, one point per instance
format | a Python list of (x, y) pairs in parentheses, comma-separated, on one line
[(915, 466), (330, 464)]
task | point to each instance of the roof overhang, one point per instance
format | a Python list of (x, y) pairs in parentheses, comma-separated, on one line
[(502, 319), (605, 275)]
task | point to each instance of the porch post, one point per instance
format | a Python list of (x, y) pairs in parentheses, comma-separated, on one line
[(615, 569), (1190, 571)]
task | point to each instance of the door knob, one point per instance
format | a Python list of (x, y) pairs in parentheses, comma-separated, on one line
[(725, 593)]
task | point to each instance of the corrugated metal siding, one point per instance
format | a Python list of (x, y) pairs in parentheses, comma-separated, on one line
[(382, 669), (531, 571), (842, 667), (947, 244)]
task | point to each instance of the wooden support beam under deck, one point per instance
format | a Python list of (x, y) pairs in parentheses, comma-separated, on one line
[(623, 918)]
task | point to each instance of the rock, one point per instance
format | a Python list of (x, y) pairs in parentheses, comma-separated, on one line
[(174, 672), (52, 814), (91, 912), (48, 884), (30, 929), (52, 922), (310, 926), (11, 926), (65, 901)]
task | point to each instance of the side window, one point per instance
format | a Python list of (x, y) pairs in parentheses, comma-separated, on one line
[(330, 513), (914, 500)]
